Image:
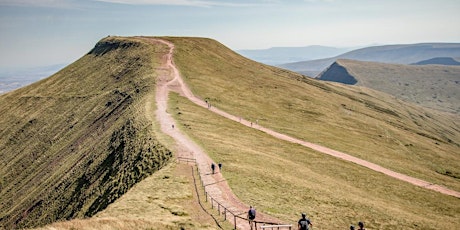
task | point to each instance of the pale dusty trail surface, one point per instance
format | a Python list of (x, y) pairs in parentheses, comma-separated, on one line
[(215, 185), (218, 187)]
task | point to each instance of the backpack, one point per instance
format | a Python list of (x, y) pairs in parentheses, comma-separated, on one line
[(304, 224), (252, 214)]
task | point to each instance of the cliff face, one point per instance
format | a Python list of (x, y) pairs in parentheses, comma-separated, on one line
[(73, 143)]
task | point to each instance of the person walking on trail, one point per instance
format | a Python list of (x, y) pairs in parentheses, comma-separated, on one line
[(304, 223), (352, 227), (251, 215), (361, 226), (213, 167), (220, 166)]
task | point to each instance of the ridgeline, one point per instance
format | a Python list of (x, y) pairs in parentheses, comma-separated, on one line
[(73, 143)]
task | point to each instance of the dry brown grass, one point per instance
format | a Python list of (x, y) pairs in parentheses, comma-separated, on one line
[(165, 200), (362, 122), (284, 179), (432, 86), (73, 143)]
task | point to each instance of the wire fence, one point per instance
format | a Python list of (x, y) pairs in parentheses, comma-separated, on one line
[(226, 213)]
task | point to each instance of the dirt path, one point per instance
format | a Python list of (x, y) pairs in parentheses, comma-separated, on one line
[(217, 186)]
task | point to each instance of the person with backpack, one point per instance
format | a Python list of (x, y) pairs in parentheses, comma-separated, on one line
[(361, 226), (251, 215), (304, 223)]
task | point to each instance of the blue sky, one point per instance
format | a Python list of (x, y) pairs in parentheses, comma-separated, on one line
[(47, 32)]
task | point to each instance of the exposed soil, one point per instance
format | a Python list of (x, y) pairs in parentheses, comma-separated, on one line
[(216, 186)]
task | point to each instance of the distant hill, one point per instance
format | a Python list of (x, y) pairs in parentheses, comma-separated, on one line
[(73, 143), (396, 54), (433, 86), (438, 61), (280, 55)]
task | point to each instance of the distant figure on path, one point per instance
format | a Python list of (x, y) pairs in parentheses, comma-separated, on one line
[(220, 166), (304, 223), (352, 227), (251, 215), (173, 126), (361, 225), (213, 167)]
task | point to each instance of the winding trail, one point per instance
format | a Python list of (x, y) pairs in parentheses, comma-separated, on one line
[(215, 185), (170, 80)]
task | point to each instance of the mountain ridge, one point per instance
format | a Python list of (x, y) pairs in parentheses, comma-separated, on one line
[(395, 54), (65, 151), (280, 55)]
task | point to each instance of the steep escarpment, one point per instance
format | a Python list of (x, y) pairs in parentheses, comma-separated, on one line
[(337, 73), (73, 143)]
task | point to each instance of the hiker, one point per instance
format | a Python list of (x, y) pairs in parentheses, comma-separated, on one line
[(251, 215), (220, 166), (213, 166), (361, 226), (352, 227), (304, 223), (173, 126)]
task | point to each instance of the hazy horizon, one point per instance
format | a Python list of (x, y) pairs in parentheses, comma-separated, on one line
[(47, 32)]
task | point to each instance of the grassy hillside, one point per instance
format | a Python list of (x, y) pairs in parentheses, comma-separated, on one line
[(432, 86), (165, 200), (95, 146), (73, 143), (283, 179)]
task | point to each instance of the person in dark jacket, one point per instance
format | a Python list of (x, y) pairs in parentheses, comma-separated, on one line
[(304, 223)]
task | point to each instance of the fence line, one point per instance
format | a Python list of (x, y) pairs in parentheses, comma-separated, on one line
[(186, 160), (225, 211)]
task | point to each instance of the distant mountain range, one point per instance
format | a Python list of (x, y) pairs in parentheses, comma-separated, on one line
[(396, 54), (432, 86), (280, 55)]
